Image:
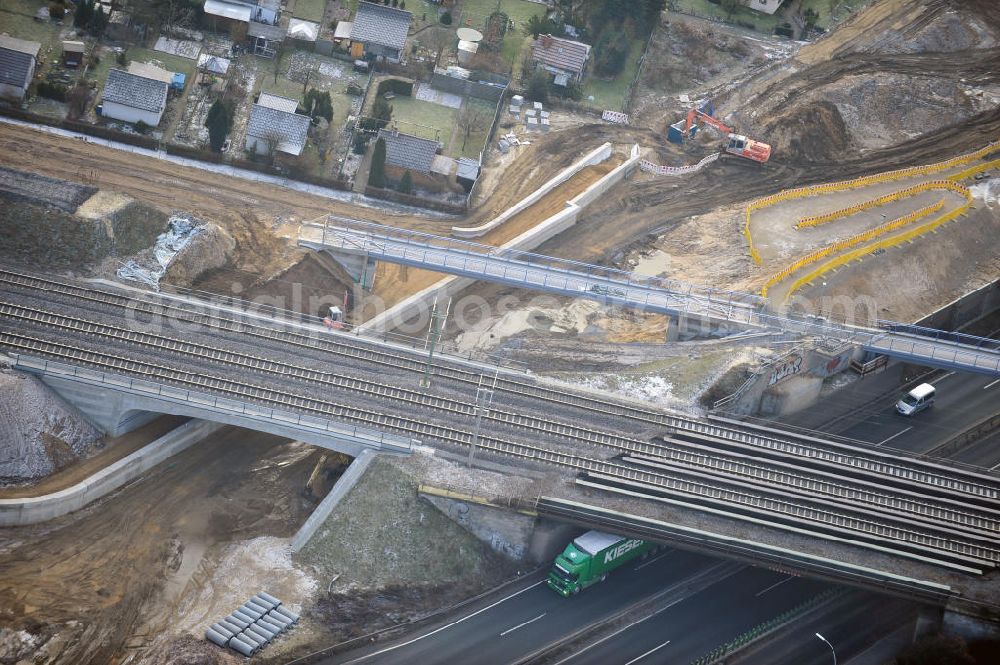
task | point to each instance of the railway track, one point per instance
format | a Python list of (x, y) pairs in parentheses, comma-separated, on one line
[(936, 542), (887, 469), (677, 454)]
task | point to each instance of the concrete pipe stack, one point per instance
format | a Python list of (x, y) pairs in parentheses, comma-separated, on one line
[(253, 625)]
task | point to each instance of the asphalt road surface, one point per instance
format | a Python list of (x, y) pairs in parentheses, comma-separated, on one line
[(526, 619), (693, 626)]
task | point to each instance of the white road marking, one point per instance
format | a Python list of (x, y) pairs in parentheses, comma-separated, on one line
[(894, 436), (653, 560), (522, 625), (619, 631), (941, 378), (776, 584), (635, 660), (990, 385), (445, 627)]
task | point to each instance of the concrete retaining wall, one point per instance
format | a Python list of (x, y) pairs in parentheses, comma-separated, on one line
[(595, 156), (32, 510), (966, 309), (344, 485), (528, 240)]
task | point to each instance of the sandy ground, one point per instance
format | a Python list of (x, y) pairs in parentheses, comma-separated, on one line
[(96, 585), (395, 283)]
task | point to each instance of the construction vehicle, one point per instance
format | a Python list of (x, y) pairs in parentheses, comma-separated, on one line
[(737, 144), (590, 557)]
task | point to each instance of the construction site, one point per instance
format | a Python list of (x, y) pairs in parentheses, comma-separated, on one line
[(849, 181)]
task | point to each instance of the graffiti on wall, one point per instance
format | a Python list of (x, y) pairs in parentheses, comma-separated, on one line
[(789, 367)]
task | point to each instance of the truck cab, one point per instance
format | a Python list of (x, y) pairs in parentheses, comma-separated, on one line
[(590, 557)]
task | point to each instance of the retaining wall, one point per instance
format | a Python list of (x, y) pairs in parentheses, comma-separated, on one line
[(32, 510), (549, 228), (595, 156), (345, 484)]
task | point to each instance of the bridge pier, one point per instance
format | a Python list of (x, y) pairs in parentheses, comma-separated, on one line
[(684, 327), (360, 266)]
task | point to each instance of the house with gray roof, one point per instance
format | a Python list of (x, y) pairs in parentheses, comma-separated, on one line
[(18, 58), (133, 98), (274, 125), (565, 58), (408, 152), (379, 30)]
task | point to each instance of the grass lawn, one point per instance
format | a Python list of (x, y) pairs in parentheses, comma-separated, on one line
[(17, 20), (310, 10), (423, 119), (477, 139), (475, 13), (745, 16), (610, 94), (841, 9)]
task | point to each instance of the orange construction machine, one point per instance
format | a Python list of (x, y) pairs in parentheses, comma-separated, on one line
[(737, 144)]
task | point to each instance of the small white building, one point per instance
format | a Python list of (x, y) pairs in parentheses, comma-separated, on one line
[(274, 125), (131, 98), (18, 58)]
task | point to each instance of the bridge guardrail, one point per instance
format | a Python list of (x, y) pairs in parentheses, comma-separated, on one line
[(369, 437)]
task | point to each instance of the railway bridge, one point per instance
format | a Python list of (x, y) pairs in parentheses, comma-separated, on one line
[(121, 355)]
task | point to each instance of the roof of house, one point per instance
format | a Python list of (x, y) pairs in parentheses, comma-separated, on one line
[(277, 102), (139, 92), (74, 47), (560, 53), (343, 30), (468, 168), (213, 63), (227, 10), (381, 24), (408, 152), (289, 129), (307, 31), (274, 33), (15, 59), (150, 71)]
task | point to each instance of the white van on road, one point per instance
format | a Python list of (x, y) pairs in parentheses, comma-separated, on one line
[(915, 401)]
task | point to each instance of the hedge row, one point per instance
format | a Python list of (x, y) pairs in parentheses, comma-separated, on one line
[(397, 86)]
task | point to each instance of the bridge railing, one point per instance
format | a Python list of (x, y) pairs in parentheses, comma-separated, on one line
[(333, 234), (201, 400)]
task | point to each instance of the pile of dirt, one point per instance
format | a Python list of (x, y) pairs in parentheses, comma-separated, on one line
[(52, 223), (39, 432), (209, 249)]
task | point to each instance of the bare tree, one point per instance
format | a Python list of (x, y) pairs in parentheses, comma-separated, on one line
[(437, 40), (472, 119)]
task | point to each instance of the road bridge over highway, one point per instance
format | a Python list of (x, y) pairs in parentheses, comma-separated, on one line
[(368, 241)]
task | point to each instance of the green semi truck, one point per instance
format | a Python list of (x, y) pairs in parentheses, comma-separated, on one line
[(590, 557)]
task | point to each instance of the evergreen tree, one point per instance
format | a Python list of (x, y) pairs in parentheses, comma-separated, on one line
[(406, 183), (84, 12), (376, 176), (219, 121)]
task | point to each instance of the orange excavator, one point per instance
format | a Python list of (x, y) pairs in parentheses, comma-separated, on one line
[(738, 144)]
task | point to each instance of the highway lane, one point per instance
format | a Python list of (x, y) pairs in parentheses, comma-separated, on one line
[(693, 626), (962, 399), (529, 618)]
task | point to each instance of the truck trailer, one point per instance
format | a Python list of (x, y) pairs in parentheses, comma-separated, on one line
[(590, 557)]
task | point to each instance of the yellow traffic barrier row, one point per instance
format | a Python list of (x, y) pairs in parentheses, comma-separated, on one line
[(978, 168), (847, 243), (891, 241), (876, 202), (863, 181)]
